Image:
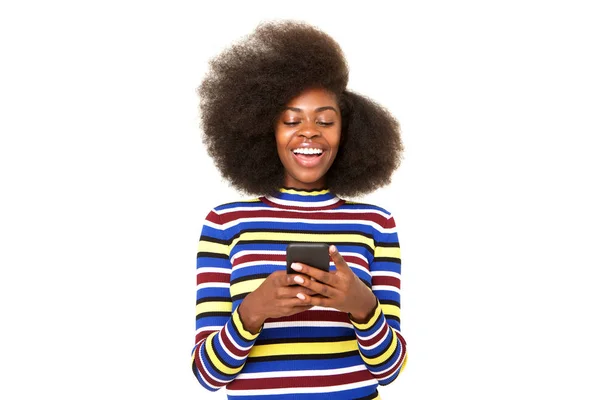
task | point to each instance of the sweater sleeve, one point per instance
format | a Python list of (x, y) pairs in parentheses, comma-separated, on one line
[(380, 342), (222, 343)]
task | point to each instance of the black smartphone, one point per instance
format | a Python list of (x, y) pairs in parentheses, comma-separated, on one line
[(313, 254)]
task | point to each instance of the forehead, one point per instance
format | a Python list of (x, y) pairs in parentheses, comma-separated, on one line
[(313, 98)]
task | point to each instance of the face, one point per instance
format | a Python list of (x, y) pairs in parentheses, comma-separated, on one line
[(308, 134)]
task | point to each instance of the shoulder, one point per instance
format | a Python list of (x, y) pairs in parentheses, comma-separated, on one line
[(366, 207)]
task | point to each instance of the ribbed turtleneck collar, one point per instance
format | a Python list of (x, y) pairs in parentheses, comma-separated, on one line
[(300, 199)]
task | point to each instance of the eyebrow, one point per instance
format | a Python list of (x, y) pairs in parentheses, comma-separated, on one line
[(316, 109)]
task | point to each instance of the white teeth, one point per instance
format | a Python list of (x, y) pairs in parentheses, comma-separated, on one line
[(307, 151)]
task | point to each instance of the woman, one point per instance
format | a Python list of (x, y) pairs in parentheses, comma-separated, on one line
[(279, 122)]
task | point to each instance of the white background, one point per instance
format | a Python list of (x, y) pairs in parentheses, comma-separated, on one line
[(105, 184)]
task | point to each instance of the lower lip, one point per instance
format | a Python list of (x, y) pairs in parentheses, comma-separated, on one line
[(308, 161)]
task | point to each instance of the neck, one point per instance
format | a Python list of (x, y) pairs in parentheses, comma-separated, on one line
[(303, 199)]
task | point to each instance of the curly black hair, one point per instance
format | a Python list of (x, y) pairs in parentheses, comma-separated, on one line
[(248, 85)]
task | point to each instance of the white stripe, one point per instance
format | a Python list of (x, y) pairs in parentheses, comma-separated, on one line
[(208, 328), (304, 204), (332, 211), (255, 263), (307, 324), (378, 343), (386, 288), (237, 346), (209, 374), (212, 285), (257, 252), (386, 273), (390, 368), (208, 270), (227, 350), (311, 372), (293, 390), (351, 254), (301, 220), (372, 335)]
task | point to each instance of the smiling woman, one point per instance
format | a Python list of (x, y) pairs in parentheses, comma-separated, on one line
[(279, 122), (308, 135)]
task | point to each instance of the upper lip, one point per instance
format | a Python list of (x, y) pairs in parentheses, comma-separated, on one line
[(309, 146)]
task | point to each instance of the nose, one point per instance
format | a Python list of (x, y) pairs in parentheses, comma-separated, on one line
[(309, 131)]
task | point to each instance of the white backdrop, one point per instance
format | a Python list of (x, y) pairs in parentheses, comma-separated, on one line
[(105, 184)]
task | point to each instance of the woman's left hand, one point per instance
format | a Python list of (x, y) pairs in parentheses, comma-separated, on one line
[(340, 289)]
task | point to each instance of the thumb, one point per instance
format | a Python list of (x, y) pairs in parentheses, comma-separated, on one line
[(338, 260)]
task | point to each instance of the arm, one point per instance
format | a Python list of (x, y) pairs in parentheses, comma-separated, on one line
[(380, 342), (222, 343)]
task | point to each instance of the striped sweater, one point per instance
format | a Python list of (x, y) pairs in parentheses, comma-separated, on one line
[(316, 354)]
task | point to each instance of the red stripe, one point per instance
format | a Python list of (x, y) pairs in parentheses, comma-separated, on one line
[(230, 346), (375, 339), (386, 281), (200, 368), (398, 363), (320, 316), (301, 381), (212, 277), (307, 207), (287, 214), (258, 257), (202, 335)]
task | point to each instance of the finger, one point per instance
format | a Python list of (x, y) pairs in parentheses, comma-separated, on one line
[(291, 292), (318, 287), (316, 300), (338, 260), (316, 273)]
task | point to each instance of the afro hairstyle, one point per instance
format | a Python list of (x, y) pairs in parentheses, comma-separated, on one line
[(248, 85)]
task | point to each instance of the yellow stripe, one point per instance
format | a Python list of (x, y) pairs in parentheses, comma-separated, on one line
[(305, 237), (213, 306), (385, 356), (404, 363), (246, 286), (237, 321), (302, 348), (390, 252), (212, 247), (390, 309), (371, 322), (292, 191), (215, 360)]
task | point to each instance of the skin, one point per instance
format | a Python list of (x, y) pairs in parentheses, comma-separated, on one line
[(311, 119)]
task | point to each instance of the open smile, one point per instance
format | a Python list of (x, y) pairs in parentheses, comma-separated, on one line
[(307, 156)]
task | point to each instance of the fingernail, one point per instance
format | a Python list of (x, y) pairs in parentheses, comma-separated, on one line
[(332, 249), (296, 267), (298, 279), (301, 296)]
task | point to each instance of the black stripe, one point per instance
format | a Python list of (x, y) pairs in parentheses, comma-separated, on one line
[(369, 397), (205, 299), (387, 244), (213, 314), (368, 329), (286, 242), (212, 364), (336, 339), (211, 239), (248, 278), (390, 302), (392, 338), (240, 296), (286, 357), (212, 255), (387, 259)]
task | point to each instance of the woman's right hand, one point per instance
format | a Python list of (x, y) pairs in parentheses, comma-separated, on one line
[(275, 297)]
